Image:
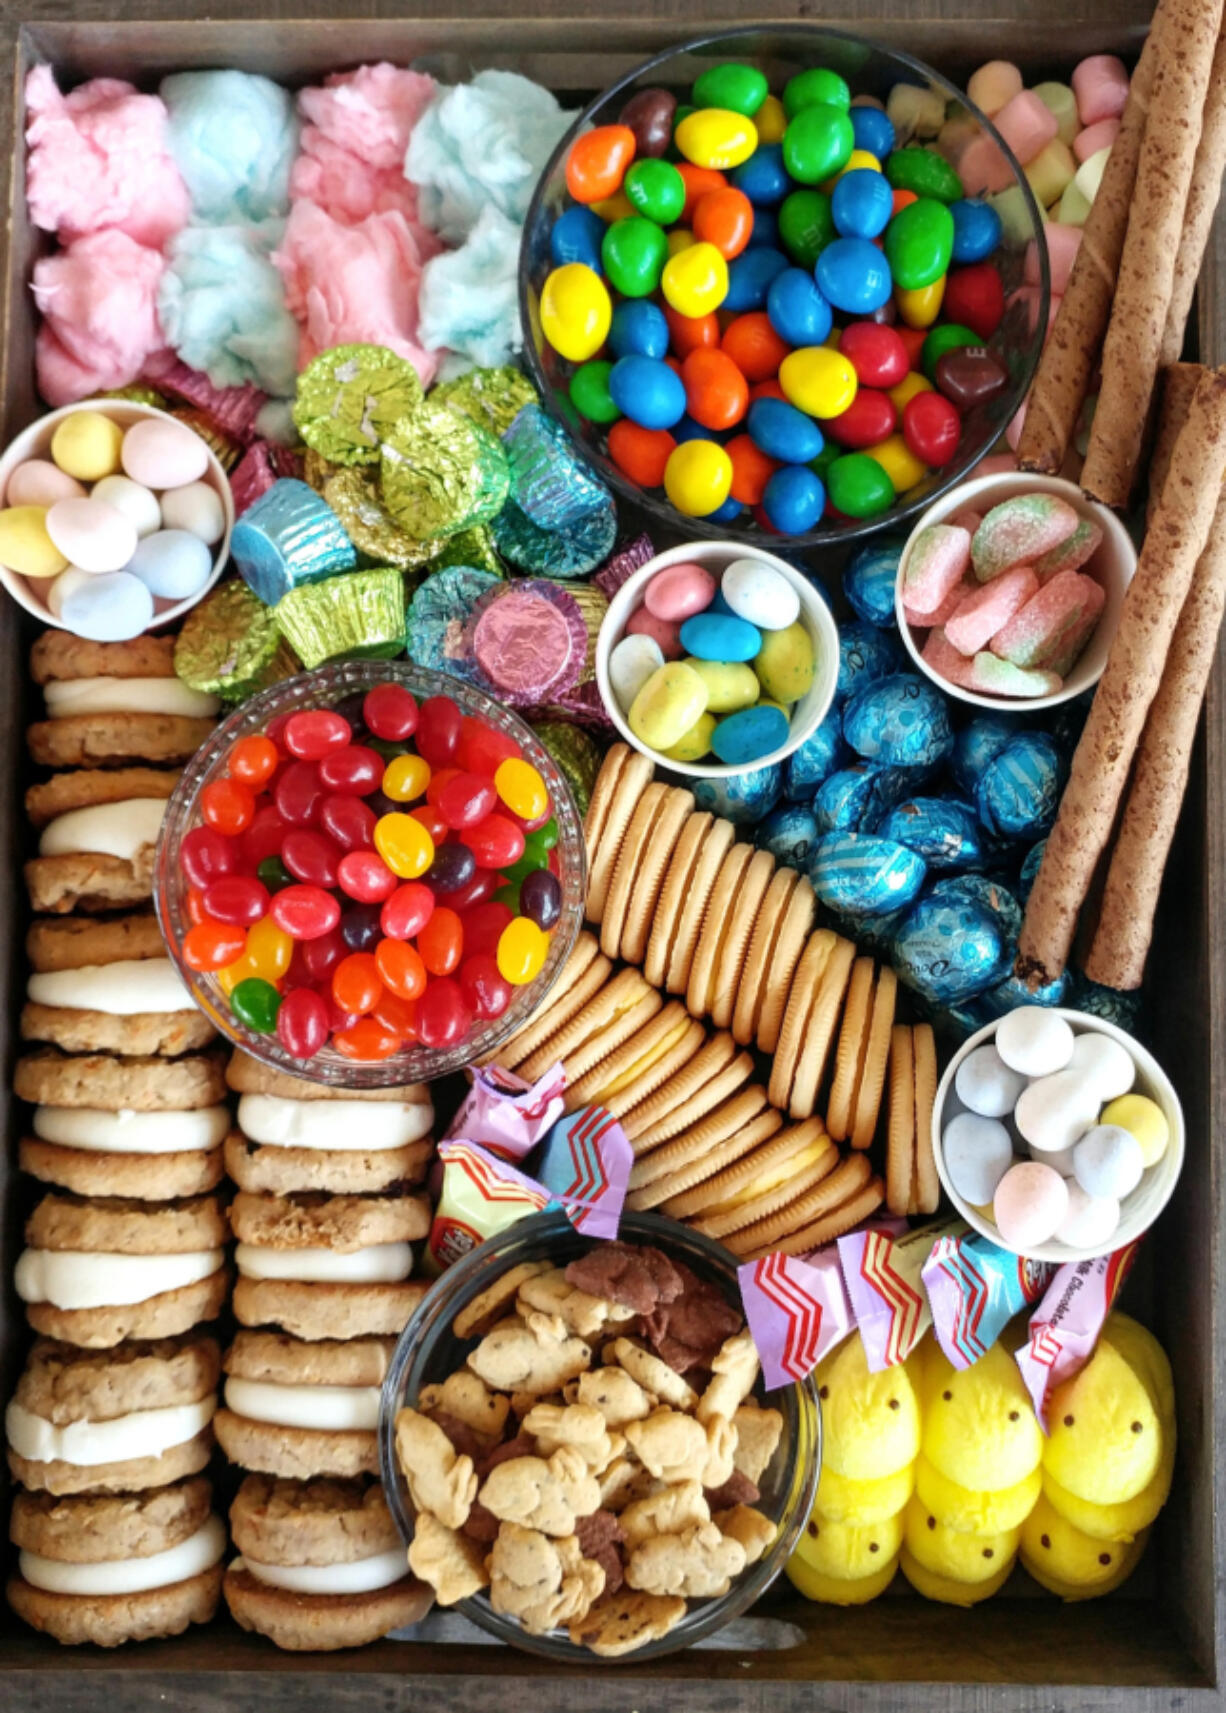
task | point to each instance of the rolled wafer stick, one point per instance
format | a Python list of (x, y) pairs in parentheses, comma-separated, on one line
[(1147, 263), (1203, 195), (1179, 384), (1151, 810), (1063, 377), (1128, 686)]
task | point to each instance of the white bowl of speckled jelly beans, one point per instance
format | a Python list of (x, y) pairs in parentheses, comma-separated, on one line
[(1028, 578), (1057, 1135), (716, 657), (115, 519)]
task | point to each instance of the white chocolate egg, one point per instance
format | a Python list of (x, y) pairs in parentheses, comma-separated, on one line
[(39, 482), (1034, 1041), (986, 1084), (1059, 1159), (92, 535), (1090, 1222), (135, 502), (1056, 1111), (631, 664), (977, 1152), (161, 453), (61, 587), (1029, 1205), (1104, 1062), (759, 594), (1108, 1161), (197, 508)]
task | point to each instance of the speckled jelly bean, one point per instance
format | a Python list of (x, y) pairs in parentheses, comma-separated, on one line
[(667, 706), (720, 636)]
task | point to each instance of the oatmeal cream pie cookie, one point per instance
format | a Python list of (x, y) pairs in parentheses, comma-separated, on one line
[(109, 1569), (110, 703), (113, 1421), (322, 1565), (298, 1409), (98, 835)]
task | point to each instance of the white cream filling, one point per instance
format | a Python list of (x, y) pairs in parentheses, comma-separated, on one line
[(326, 1409), (198, 1553), (141, 1433), (76, 1279), (70, 696), (379, 1264), (128, 1132), (349, 1125), (361, 1576), (105, 829), (126, 988)]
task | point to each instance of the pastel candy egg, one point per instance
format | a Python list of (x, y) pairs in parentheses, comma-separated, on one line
[(986, 1084), (1055, 1112), (1090, 1221), (743, 738), (759, 594), (696, 743), (1029, 1205), (1144, 1119), (938, 558), (730, 684), (1059, 1159), (137, 503), (719, 636), (61, 587), (1107, 1161), (785, 663), (25, 545), (173, 564), (87, 445), (643, 622), (197, 508), (112, 607), (679, 591), (668, 705), (91, 534), (977, 1151), (1034, 1041), (163, 454), (38, 482), (631, 664), (1018, 530), (1100, 84)]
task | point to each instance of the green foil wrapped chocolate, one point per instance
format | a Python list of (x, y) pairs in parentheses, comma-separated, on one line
[(440, 473), (593, 605), (354, 496), (473, 547), (230, 645), (577, 754), (136, 394), (492, 398), (358, 615), (349, 399)]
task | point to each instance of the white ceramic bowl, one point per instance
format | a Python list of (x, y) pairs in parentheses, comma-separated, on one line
[(1112, 566), (1139, 1210), (35, 442), (807, 714)]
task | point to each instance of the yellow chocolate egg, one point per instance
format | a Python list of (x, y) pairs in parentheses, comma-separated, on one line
[(839, 1591), (668, 705), (901, 395), (770, 121), (696, 742), (898, 461), (1142, 1118), (25, 545), (87, 445), (785, 663)]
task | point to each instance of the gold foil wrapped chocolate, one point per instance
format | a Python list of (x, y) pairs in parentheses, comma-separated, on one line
[(358, 614), (492, 398), (226, 451), (136, 394), (350, 397), (577, 754), (230, 645), (473, 547), (354, 496), (440, 473)]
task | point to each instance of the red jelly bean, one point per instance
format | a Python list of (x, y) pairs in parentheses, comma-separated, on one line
[(302, 1023), (367, 1039), (443, 1015), (206, 855), (484, 884), (876, 353), (398, 1015), (312, 734), (487, 992), (263, 837), (390, 712), (227, 805), (931, 428), (465, 799), (439, 725), (274, 731), (196, 912), (312, 857), (354, 770), (238, 899), (870, 417), (407, 911), (974, 298), (441, 778), (355, 983), (253, 760), (495, 842), (483, 749), (401, 968), (348, 821), (441, 941), (483, 926), (212, 945), (365, 876), (306, 913), (321, 956), (298, 794), (432, 820)]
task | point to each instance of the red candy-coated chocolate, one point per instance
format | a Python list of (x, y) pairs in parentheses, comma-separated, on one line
[(238, 899), (495, 842), (401, 968), (302, 1023), (439, 723), (311, 857), (227, 805), (407, 911), (348, 821), (253, 760), (441, 942), (869, 418), (307, 913), (206, 855), (298, 793), (974, 298), (487, 992), (877, 354), (390, 712), (931, 428), (465, 799), (353, 770), (365, 876), (443, 1016)]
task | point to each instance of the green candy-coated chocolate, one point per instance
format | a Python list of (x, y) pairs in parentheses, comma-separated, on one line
[(656, 190), (945, 336), (858, 486), (255, 1003), (825, 458), (925, 172), (739, 88), (806, 225), (919, 242), (818, 143), (589, 391), (634, 252), (808, 88)]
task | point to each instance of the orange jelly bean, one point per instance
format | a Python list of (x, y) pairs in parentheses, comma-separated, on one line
[(724, 218), (716, 392), (754, 346), (640, 453), (597, 162)]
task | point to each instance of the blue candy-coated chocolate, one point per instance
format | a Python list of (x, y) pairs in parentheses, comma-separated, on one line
[(863, 875), (949, 950), (816, 758), (940, 829), (745, 798), (869, 579), (1007, 995), (989, 894), (781, 431), (555, 553), (1122, 1009), (726, 513), (742, 738), (763, 177), (749, 278), (902, 721), (639, 328), (977, 230), (711, 636), (977, 744), (798, 312), (576, 237), (789, 833), (647, 391), (1018, 793), (853, 275), (862, 203), (688, 429), (873, 130), (764, 234), (289, 537), (793, 499), (855, 798), (865, 654), (1030, 867)]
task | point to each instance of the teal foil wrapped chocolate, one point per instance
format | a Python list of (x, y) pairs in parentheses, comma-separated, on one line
[(290, 537), (743, 798), (949, 950), (869, 579), (978, 744), (866, 654), (816, 759), (437, 618), (549, 483), (1018, 793), (858, 874), (855, 798), (564, 553), (940, 829), (789, 833)]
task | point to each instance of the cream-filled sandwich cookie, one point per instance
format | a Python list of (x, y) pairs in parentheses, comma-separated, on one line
[(95, 1272), (108, 1570), (113, 1421), (108, 703), (321, 1564), (97, 853), (108, 987), (300, 1409)]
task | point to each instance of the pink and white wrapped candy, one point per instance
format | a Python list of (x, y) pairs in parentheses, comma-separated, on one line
[(882, 1269), (505, 1114), (1064, 1328), (796, 1310)]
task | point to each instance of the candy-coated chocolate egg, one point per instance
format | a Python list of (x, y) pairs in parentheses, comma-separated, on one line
[(38, 482), (919, 242), (986, 1084), (87, 445), (876, 352), (720, 636), (631, 663), (793, 500), (597, 162), (743, 738), (854, 275), (1090, 1221), (785, 663), (977, 1151), (665, 634), (576, 236), (162, 454), (647, 391), (763, 177), (695, 281), (138, 503), (806, 225), (859, 486), (92, 535), (668, 705), (977, 230), (1144, 1119), (680, 591), (862, 203), (1029, 1205), (696, 743), (731, 685), (197, 508), (634, 252), (173, 564), (1107, 1161), (25, 545), (924, 172), (1108, 1065), (931, 428), (782, 432), (898, 462), (818, 142), (759, 594), (1055, 1111), (111, 607), (739, 88), (655, 188), (61, 587), (1034, 1041), (798, 311), (575, 311)]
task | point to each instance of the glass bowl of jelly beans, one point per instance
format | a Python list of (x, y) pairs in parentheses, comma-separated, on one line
[(370, 875), (761, 296)]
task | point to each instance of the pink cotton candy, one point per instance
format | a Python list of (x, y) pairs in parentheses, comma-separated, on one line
[(97, 159), (345, 187), (369, 112), (98, 299), (354, 284)]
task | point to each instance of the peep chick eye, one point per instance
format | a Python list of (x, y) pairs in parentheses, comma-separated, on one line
[(948, 1397), (1068, 1421)]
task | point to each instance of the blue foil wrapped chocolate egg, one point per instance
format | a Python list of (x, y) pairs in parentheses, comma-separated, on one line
[(789, 833), (901, 721), (1030, 868), (1018, 793), (1008, 994), (940, 829), (949, 949), (815, 759), (873, 934), (865, 654), (855, 798), (550, 483), (857, 874), (991, 895), (1122, 1009), (745, 797), (978, 744), (869, 579)]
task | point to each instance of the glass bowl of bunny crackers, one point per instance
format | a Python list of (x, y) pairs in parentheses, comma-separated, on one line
[(577, 1446)]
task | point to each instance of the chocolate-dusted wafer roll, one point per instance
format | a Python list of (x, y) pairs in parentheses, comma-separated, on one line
[(1179, 384), (1203, 194)]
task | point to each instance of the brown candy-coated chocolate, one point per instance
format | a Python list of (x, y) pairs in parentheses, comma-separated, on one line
[(970, 375), (649, 114)]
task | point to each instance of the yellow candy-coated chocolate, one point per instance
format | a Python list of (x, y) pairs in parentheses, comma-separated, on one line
[(667, 706), (818, 380), (785, 663), (698, 477), (859, 160), (907, 389), (575, 312), (716, 137), (615, 207), (921, 306), (25, 545), (730, 684), (1142, 1118), (87, 445), (770, 121), (695, 280), (696, 743), (899, 462), (680, 238)]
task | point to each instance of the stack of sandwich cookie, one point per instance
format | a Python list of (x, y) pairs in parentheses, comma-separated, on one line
[(835, 997), (911, 1182), (303, 1409), (109, 703), (98, 834)]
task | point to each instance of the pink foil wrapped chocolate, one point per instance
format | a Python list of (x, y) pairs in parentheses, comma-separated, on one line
[(1064, 1328), (796, 1311), (974, 1289), (883, 1273), (262, 465), (505, 1114), (529, 640), (231, 409), (623, 564)]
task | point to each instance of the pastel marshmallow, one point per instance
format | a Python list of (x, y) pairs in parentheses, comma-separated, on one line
[(1100, 84), (1051, 171), (1094, 138), (1026, 125), (1089, 174), (1018, 530), (988, 608), (1041, 633), (983, 166), (1059, 99), (938, 560), (994, 85)]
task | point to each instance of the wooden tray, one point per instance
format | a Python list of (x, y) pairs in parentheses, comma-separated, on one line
[(1158, 1644)]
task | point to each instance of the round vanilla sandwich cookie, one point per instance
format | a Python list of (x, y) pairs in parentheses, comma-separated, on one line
[(322, 1565), (150, 1156), (95, 1272), (109, 1570), (113, 1421), (297, 1409), (276, 1170)]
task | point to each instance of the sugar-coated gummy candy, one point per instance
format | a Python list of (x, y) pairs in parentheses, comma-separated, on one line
[(977, 1151), (1090, 1220), (935, 565), (1030, 1203), (987, 607), (1144, 1119), (987, 1085), (1034, 1042), (740, 739), (1051, 628), (1072, 553), (667, 705)]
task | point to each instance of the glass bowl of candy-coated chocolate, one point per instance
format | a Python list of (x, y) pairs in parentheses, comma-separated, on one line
[(986, 394), (429, 1350), (344, 685)]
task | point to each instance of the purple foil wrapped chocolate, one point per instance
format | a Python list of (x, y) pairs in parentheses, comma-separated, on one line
[(262, 465), (629, 559)]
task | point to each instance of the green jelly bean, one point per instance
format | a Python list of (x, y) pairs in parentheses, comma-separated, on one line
[(255, 1003), (919, 242), (806, 225), (945, 336), (925, 172), (545, 837), (818, 143), (739, 88), (656, 189), (273, 872), (589, 392), (808, 88), (517, 872), (634, 252), (858, 486), (386, 748), (509, 895)]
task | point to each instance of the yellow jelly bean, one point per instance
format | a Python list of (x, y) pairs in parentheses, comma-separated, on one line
[(575, 312), (521, 788), (785, 663), (269, 949), (817, 380), (522, 950), (730, 684), (921, 306), (87, 445), (667, 706), (858, 159), (404, 844), (25, 545), (770, 121), (406, 777), (716, 137), (615, 207), (697, 741), (695, 281), (907, 389), (698, 477), (1142, 1118), (899, 462), (680, 238)]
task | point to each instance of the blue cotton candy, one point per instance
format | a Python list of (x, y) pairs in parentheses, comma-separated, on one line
[(222, 306), (468, 301), (233, 136)]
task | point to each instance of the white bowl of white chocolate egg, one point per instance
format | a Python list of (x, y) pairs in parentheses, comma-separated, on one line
[(115, 518), (1056, 1135)]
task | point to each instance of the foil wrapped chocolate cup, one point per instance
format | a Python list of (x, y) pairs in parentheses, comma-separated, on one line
[(288, 538), (351, 397)]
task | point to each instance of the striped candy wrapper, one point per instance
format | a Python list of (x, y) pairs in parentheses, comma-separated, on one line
[(974, 1289), (882, 1269), (1064, 1328), (505, 1114), (585, 1163), (796, 1310)]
